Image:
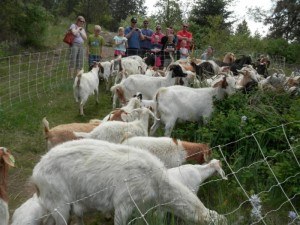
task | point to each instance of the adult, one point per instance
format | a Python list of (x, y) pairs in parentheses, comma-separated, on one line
[(77, 48), (208, 54), (133, 35), (145, 44), (94, 47), (157, 33), (184, 34), (156, 38)]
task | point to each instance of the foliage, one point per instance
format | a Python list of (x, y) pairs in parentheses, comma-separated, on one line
[(283, 48), (168, 13), (285, 20), (31, 24), (251, 115), (242, 29), (203, 10)]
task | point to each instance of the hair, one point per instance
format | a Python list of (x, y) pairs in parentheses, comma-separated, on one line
[(97, 27), (121, 29), (80, 18)]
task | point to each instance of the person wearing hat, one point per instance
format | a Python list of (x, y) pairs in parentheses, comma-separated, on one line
[(77, 48), (133, 35), (146, 44)]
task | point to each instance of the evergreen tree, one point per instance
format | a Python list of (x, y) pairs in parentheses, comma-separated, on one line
[(242, 29), (205, 8), (285, 20)]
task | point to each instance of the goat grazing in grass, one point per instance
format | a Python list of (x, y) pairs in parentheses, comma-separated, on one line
[(193, 175), (88, 175), (188, 104), (171, 152)]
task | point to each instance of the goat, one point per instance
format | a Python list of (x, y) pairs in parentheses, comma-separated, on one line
[(188, 104), (107, 73), (122, 113), (64, 132), (144, 84), (172, 152), (116, 131), (132, 65), (30, 212), (85, 175), (193, 175), (6, 161), (150, 104), (86, 84)]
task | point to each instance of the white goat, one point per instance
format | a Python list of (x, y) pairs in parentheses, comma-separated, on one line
[(172, 152), (131, 65), (85, 175), (124, 112), (107, 73), (144, 84), (193, 175), (116, 131), (188, 104), (6, 160), (30, 212), (86, 84)]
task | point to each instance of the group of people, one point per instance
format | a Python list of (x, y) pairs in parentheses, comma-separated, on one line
[(133, 40)]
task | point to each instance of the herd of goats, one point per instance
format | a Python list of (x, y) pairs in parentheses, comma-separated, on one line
[(117, 165)]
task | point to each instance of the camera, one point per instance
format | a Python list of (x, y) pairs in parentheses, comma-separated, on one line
[(137, 29)]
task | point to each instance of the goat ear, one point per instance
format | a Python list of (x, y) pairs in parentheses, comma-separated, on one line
[(124, 116), (101, 68), (9, 159)]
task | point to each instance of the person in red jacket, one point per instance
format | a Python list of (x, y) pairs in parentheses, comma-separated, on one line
[(184, 34)]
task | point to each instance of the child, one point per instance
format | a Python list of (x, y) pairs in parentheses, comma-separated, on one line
[(156, 48), (94, 47), (184, 52), (169, 49), (120, 43)]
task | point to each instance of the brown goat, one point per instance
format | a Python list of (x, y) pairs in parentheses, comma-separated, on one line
[(64, 132), (6, 160)]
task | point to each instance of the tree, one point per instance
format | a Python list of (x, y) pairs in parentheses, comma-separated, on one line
[(120, 9), (168, 13), (205, 8), (285, 20), (242, 29)]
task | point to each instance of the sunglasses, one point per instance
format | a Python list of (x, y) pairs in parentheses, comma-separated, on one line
[(158, 28), (133, 22), (185, 26), (145, 22), (81, 21)]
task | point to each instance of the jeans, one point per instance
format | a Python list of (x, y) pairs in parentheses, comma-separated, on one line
[(93, 58)]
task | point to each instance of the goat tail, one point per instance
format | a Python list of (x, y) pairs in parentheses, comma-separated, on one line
[(46, 125), (79, 74)]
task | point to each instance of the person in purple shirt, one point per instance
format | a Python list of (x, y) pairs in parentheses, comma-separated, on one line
[(133, 35), (146, 44), (77, 48)]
